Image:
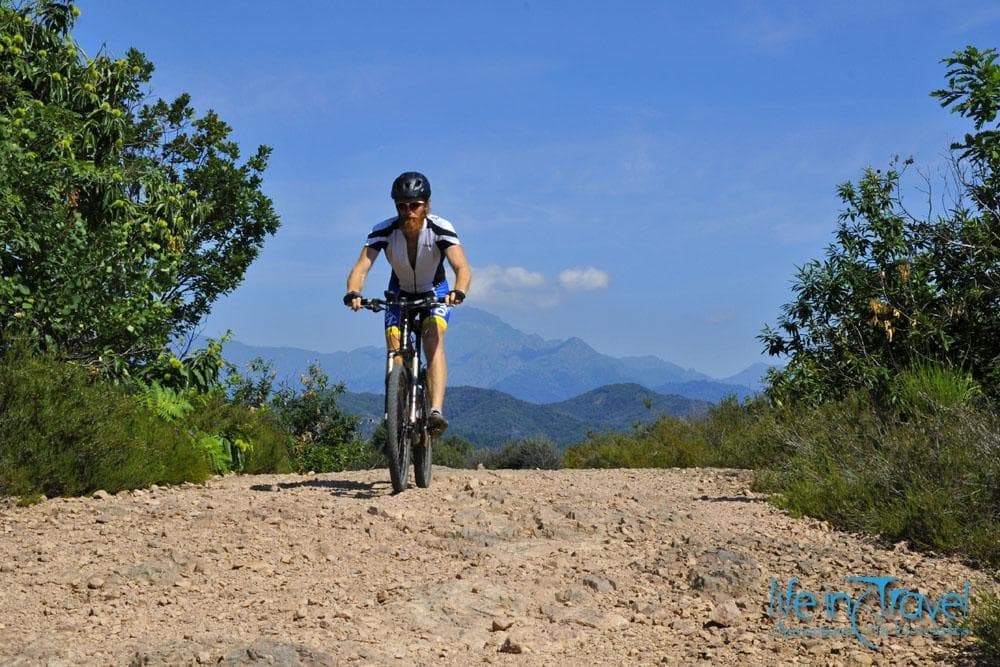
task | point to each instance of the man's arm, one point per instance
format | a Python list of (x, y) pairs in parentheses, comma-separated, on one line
[(356, 278), (463, 273)]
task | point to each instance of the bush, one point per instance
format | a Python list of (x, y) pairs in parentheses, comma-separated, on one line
[(63, 435), (480, 456), (931, 388), (668, 442), (325, 439), (928, 472), (527, 454), (230, 434), (247, 439), (269, 445), (744, 436), (985, 625), (452, 452)]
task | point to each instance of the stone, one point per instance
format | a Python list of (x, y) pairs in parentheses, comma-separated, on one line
[(263, 652), (599, 584), (859, 659), (574, 594), (684, 627), (726, 614), (500, 624), (511, 646)]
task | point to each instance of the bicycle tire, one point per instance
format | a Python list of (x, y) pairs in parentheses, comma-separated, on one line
[(398, 445), (422, 449)]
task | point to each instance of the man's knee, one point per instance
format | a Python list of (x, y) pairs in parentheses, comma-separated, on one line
[(392, 339)]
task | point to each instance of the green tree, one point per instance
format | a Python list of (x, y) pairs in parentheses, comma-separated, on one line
[(122, 218), (895, 290), (966, 245)]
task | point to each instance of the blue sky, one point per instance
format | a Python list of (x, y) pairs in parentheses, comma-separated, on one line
[(643, 175)]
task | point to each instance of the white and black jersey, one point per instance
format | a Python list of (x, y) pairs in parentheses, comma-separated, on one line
[(435, 237)]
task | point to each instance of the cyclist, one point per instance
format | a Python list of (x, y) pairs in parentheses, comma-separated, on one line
[(416, 243)]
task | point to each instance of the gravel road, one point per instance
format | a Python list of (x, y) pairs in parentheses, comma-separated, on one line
[(571, 567)]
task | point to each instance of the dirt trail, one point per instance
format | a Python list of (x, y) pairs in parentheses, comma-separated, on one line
[(505, 567)]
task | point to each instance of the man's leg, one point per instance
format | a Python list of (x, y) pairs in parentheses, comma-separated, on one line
[(437, 367), (392, 343)]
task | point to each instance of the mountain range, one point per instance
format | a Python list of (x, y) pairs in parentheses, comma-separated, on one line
[(490, 418), (487, 353)]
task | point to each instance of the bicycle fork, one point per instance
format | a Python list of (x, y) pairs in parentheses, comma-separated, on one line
[(415, 380), (411, 356)]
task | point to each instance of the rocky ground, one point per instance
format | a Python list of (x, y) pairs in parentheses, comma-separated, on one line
[(504, 567)]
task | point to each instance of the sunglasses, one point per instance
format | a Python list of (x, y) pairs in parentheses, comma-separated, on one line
[(410, 205)]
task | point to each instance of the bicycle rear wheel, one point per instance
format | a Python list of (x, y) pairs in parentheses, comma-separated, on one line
[(398, 445), (422, 448)]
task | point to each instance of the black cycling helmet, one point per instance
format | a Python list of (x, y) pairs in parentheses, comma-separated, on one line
[(411, 186)]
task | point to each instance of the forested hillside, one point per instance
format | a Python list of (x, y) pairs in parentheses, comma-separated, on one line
[(490, 418)]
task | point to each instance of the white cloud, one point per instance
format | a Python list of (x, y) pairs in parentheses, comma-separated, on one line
[(587, 278), (490, 279), (510, 284), (526, 289)]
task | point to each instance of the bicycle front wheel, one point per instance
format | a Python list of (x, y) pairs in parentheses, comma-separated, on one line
[(399, 441), (422, 447)]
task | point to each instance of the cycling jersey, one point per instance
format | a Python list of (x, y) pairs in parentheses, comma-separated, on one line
[(428, 273)]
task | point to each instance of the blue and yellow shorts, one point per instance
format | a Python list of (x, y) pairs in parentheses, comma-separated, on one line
[(438, 314)]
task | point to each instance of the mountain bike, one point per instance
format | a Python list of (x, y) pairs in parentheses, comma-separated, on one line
[(405, 395)]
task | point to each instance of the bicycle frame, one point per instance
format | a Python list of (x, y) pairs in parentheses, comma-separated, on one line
[(410, 342), (409, 350)]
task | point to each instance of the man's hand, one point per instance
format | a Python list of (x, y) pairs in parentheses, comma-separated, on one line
[(454, 297), (353, 300)]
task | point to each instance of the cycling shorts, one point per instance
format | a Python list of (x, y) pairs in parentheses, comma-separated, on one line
[(438, 311)]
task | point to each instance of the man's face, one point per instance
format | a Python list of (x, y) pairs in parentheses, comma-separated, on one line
[(411, 210)]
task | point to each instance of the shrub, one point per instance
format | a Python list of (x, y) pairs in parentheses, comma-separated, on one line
[(744, 435), (931, 477), (451, 452), (985, 625), (527, 454), (269, 445), (668, 442), (325, 439), (62, 434), (480, 456), (926, 388), (240, 439)]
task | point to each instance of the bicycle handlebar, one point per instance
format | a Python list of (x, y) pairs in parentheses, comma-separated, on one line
[(376, 305)]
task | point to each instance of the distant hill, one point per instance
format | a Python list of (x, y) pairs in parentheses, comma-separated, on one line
[(486, 352), (490, 418), (712, 391), (752, 376), (617, 407)]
